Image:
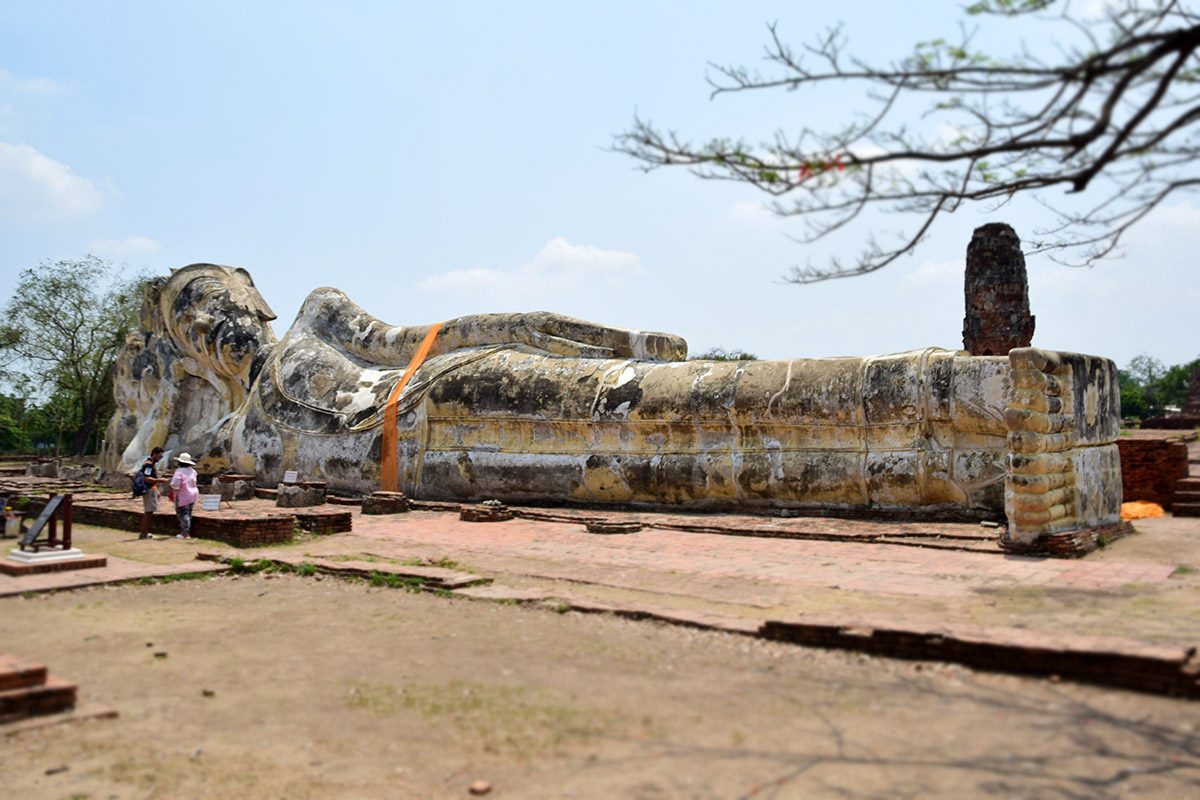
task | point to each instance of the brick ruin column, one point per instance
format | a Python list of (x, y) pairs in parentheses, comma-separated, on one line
[(997, 293)]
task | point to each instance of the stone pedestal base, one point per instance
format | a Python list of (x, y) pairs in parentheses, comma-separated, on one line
[(27, 562)]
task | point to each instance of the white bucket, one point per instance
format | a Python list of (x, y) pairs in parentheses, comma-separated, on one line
[(12, 525)]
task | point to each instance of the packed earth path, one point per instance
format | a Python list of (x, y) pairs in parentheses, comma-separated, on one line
[(234, 679)]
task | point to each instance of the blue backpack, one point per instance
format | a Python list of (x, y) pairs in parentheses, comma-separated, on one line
[(140, 487)]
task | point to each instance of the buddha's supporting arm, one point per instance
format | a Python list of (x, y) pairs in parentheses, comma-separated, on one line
[(330, 314)]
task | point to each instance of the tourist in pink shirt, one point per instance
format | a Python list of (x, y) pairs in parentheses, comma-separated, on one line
[(183, 485)]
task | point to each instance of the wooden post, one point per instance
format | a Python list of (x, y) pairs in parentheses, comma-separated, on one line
[(67, 514)]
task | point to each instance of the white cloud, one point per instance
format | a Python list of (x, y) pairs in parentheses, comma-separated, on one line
[(892, 171), (35, 187), (752, 212), (559, 265), (1184, 216), (938, 272), (129, 247), (14, 83)]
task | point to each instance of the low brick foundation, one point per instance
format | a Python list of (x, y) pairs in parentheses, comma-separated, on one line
[(1145, 668), (238, 528), (485, 512), (1178, 423), (1151, 464)]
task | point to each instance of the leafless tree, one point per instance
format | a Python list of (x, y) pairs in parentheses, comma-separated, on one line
[(1113, 116)]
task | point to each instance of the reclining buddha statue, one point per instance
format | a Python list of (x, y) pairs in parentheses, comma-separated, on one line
[(542, 408)]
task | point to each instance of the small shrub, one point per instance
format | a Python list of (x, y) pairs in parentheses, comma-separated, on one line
[(243, 567), (721, 354), (388, 580)]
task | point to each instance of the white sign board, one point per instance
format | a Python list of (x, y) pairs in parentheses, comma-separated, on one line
[(210, 502), (291, 476)]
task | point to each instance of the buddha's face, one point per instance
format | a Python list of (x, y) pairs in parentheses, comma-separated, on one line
[(218, 318)]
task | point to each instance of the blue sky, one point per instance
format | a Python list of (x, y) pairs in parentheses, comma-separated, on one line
[(440, 161)]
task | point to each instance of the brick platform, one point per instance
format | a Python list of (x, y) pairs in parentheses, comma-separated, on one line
[(240, 528), (27, 690)]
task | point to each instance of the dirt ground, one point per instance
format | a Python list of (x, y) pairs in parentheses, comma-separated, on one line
[(293, 687)]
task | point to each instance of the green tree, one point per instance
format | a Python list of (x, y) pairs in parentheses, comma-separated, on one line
[(1174, 384), (66, 322), (12, 435), (1112, 112), (1149, 387), (1133, 396)]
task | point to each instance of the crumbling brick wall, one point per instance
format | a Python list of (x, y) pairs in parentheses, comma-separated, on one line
[(1150, 466)]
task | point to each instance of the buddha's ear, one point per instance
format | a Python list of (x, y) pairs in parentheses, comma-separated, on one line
[(151, 296), (254, 301)]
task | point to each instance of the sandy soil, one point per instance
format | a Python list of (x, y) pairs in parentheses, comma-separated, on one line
[(328, 688)]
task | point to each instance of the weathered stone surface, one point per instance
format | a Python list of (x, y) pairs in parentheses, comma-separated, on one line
[(298, 495), (997, 293), (42, 469), (234, 486), (78, 472)]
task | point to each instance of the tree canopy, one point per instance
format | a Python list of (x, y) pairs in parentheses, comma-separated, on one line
[(65, 324), (1112, 116)]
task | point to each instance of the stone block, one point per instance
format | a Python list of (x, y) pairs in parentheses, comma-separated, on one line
[(298, 495), (42, 469), (385, 503), (234, 486)]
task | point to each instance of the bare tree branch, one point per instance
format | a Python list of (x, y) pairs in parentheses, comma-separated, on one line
[(1125, 112)]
